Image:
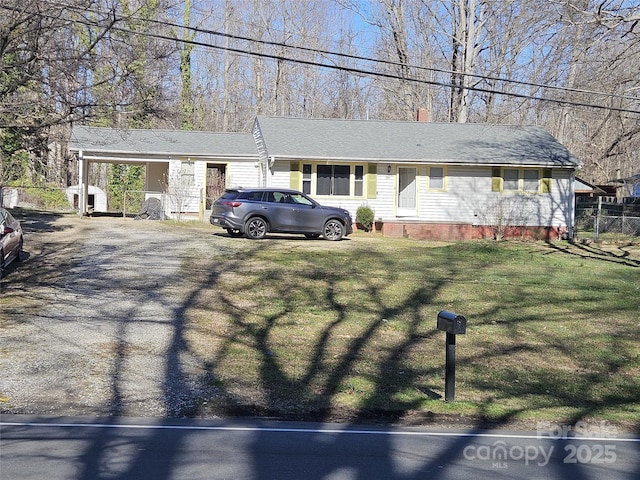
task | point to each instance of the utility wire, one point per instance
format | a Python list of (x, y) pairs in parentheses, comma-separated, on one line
[(358, 57), (370, 73), (354, 70)]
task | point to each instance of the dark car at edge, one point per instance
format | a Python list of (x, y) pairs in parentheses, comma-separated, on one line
[(10, 240), (254, 212)]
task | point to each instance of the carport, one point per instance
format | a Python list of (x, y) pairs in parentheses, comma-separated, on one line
[(103, 145), (163, 153)]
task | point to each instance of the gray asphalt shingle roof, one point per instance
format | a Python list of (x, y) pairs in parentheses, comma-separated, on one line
[(465, 143), (331, 139), (161, 142)]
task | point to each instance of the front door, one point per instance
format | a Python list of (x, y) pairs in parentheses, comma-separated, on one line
[(406, 201), (215, 182)]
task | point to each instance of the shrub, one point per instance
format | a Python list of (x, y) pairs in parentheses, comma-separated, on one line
[(364, 217), (45, 196)]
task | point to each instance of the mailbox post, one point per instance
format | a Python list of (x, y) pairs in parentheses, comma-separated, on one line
[(453, 324)]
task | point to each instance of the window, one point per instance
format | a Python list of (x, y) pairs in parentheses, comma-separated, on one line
[(333, 180), (306, 179), (300, 199), (187, 177), (530, 180), (359, 181), (436, 178), (255, 196), (4, 219), (510, 178)]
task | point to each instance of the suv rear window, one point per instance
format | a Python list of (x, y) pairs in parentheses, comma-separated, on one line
[(256, 196), (229, 195)]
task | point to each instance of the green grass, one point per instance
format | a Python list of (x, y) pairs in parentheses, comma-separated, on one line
[(323, 330)]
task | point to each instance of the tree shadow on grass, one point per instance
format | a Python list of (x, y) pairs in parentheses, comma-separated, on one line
[(619, 255), (338, 356), (339, 361)]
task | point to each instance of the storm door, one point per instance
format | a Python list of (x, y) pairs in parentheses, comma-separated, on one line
[(406, 201)]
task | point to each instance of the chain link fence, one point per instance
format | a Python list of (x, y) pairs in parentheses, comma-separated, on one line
[(596, 219), (178, 205)]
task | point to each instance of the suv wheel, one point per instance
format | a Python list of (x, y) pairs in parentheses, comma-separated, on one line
[(333, 230), (256, 228)]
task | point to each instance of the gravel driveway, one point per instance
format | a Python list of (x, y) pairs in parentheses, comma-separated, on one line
[(91, 321)]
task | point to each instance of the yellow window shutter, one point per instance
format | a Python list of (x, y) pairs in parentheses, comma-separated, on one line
[(496, 180), (546, 180), (295, 176), (372, 178)]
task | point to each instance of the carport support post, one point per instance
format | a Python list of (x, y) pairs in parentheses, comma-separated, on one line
[(83, 179), (450, 368)]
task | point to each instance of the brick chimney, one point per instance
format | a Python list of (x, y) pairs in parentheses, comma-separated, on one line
[(422, 115)]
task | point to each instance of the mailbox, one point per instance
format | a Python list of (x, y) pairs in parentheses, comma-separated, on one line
[(452, 323)]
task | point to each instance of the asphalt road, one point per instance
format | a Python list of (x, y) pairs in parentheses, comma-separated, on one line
[(95, 448)]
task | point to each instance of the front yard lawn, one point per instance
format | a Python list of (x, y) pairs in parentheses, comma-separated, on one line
[(319, 330)]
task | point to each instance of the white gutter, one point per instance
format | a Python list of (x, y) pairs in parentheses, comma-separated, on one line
[(424, 161), (151, 158)]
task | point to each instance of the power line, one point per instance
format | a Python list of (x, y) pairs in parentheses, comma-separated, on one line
[(353, 70), (369, 59), (370, 73), (393, 63)]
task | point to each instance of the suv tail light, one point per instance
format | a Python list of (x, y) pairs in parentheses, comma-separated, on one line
[(232, 204)]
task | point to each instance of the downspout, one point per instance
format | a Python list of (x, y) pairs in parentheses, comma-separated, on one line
[(572, 213), (268, 175)]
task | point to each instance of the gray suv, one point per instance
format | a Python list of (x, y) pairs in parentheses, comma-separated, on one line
[(255, 211)]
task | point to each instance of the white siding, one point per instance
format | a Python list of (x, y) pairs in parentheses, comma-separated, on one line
[(243, 174), (185, 198), (280, 176), (384, 203), (465, 188), (239, 173), (466, 199)]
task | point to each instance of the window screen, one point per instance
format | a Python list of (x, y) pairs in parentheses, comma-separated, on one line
[(530, 180), (436, 178), (306, 179), (359, 181), (510, 177)]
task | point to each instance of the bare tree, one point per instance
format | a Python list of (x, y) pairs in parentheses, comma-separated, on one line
[(505, 215), (132, 63), (185, 48), (71, 61), (597, 51)]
